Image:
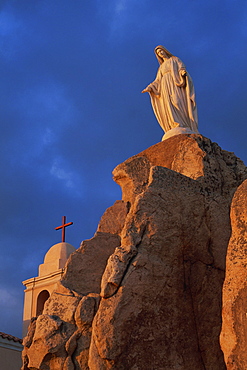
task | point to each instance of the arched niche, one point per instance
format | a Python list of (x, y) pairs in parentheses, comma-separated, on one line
[(42, 298)]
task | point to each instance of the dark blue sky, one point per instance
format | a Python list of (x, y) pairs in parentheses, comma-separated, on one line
[(71, 109)]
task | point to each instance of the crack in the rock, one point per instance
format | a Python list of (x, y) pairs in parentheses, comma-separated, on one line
[(194, 319), (142, 231), (65, 295)]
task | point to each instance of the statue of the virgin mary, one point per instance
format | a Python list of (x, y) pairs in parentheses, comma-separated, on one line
[(173, 96)]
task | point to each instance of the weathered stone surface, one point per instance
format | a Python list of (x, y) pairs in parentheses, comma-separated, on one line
[(47, 340), (234, 332), (191, 155), (113, 219), (61, 340), (84, 316), (162, 287), (86, 266), (157, 260), (160, 300), (62, 305)]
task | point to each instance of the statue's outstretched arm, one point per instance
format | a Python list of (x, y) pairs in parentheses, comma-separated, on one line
[(153, 88)]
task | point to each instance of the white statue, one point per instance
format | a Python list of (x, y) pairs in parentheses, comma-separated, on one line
[(173, 96)]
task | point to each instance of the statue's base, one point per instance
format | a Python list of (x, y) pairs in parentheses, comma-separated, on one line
[(177, 131)]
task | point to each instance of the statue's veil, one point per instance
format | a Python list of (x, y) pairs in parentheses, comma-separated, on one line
[(160, 60)]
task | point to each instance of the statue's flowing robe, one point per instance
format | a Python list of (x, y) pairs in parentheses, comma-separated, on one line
[(175, 105)]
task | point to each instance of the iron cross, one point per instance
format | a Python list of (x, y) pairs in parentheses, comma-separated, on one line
[(63, 227)]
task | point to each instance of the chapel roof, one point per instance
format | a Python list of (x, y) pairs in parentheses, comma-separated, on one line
[(59, 251), (10, 337)]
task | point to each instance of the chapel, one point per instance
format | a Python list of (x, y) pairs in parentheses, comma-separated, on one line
[(38, 289)]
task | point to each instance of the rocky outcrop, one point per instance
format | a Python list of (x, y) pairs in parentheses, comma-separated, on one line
[(234, 328), (61, 336), (146, 291)]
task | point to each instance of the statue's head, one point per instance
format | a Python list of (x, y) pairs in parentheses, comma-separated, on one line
[(162, 49)]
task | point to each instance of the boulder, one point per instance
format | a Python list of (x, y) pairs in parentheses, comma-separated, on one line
[(234, 314)]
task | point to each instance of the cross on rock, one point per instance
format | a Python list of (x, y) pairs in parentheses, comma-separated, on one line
[(63, 227)]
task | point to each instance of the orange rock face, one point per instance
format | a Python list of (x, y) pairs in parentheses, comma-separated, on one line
[(234, 327), (146, 291)]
